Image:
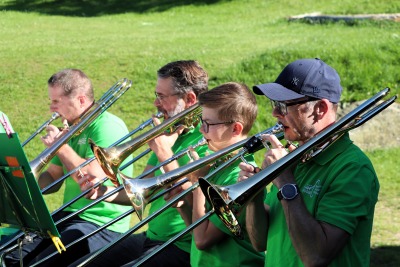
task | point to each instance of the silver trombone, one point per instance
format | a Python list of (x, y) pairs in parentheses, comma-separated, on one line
[(228, 201), (148, 189), (140, 191)]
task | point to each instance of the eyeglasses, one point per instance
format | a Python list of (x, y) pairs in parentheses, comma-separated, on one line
[(282, 106), (207, 125), (162, 97)]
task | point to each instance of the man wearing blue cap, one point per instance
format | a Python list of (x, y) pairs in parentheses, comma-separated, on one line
[(319, 212)]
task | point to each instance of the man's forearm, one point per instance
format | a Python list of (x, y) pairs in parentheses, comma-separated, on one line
[(45, 179), (257, 223)]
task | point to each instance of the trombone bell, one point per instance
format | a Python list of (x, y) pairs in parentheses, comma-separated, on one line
[(109, 160), (217, 197)]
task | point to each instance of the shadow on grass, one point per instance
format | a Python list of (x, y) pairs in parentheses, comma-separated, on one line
[(90, 8), (385, 256)]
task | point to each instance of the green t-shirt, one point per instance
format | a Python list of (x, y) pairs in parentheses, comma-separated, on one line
[(338, 187), (230, 251), (4, 118), (169, 223), (104, 131)]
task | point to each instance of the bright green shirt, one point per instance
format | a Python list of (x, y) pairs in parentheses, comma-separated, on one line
[(169, 223), (104, 131), (338, 187), (230, 251)]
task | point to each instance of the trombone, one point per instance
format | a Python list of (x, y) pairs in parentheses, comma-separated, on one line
[(111, 158), (65, 176), (176, 156), (249, 145), (228, 201), (140, 191), (112, 95), (97, 108)]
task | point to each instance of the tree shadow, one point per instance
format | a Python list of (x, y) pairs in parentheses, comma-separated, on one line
[(385, 256), (91, 8)]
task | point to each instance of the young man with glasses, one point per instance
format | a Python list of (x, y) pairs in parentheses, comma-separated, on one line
[(319, 212), (229, 111), (178, 86)]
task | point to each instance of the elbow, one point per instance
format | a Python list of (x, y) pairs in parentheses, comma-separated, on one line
[(201, 244), (259, 247), (316, 262)]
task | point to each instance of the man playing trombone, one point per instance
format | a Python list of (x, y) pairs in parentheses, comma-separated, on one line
[(319, 212), (71, 95), (178, 86)]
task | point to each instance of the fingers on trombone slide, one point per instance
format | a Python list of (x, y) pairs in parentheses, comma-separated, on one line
[(268, 139), (85, 183), (290, 146), (247, 170), (193, 154)]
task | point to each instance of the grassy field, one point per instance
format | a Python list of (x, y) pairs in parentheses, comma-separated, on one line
[(246, 41)]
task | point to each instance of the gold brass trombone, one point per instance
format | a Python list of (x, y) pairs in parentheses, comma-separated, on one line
[(54, 116), (228, 201), (176, 156), (111, 158)]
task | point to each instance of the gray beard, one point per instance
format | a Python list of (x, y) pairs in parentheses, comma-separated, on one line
[(179, 108)]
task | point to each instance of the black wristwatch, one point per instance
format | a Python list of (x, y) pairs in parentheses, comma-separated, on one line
[(288, 192)]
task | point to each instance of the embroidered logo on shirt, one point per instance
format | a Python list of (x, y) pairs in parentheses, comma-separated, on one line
[(82, 140), (312, 190)]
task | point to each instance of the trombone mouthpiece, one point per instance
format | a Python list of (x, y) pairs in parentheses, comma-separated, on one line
[(277, 128), (201, 142)]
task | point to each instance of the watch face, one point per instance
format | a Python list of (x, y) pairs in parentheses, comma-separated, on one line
[(289, 191)]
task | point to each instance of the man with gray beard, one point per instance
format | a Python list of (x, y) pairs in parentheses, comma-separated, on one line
[(178, 86)]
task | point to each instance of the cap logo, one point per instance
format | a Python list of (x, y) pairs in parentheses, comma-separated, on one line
[(295, 81)]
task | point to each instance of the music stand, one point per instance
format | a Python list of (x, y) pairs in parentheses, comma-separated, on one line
[(21, 201)]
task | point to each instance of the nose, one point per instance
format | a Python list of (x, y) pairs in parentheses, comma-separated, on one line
[(276, 113), (157, 102), (52, 108), (202, 129)]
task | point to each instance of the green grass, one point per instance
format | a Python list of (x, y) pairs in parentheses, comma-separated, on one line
[(246, 41)]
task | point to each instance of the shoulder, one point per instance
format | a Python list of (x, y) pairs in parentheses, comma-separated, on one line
[(110, 121)]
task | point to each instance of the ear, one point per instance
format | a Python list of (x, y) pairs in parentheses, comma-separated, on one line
[(322, 108), (190, 99), (82, 100), (237, 128)]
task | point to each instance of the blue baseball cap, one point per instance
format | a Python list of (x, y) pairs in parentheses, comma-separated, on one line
[(303, 77)]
